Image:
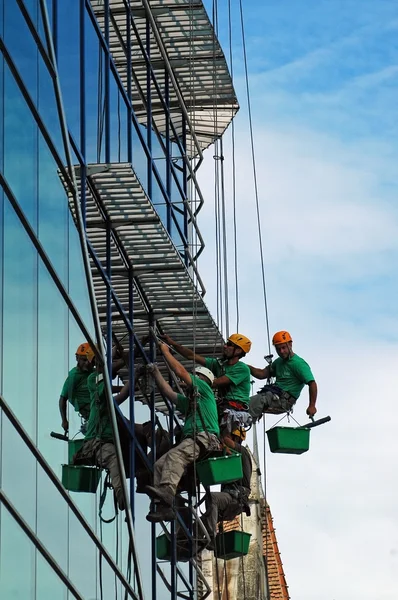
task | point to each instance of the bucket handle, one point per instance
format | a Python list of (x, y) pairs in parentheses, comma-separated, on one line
[(315, 423), (59, 436)]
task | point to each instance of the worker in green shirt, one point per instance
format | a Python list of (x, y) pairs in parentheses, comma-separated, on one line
[(99, 447), (232, 379), (291, 374), (200, 431), (75, 387)]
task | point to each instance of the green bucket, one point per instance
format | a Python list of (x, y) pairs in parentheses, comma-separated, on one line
[(221, 469), (289, 440), (80, 479), (163, 547), (232, 544), (184, 548), (73, 447)]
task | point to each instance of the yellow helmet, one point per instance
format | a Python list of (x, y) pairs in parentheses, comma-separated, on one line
[(241, 341), (85, 350), (239, 433), (281, 337)]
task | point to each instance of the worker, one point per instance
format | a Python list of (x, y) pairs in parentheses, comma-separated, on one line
[(75, 387), (232, 379), (291, 374), (200, 431), (233, 498), (98, 447)]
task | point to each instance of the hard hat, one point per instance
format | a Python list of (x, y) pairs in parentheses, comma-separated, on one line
[(239, 433), (241, 341), (281, 337), (206, 372), (85, 350)]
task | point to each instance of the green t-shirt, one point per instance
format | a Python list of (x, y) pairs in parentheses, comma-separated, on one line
[(75, 389), (208, 409), (239, 374), (99, 423), (291, 374)]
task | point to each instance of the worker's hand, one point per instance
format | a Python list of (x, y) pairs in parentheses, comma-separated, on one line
[(152, 368), (166, 338), (311, 410), (65, 425)]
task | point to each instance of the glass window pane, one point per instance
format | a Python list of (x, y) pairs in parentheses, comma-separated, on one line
[(17, 556)]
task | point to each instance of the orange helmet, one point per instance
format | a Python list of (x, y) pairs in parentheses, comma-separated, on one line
[(241, 341), (281, 337), (85, 350)]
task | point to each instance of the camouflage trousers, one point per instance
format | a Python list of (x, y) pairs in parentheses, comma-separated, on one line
[(102, 454), (169, 469)]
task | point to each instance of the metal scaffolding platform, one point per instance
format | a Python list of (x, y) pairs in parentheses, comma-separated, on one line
[(185, 59), (121, 218)]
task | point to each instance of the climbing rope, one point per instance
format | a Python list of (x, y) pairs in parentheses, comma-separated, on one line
[(231, 67), (253, 158)]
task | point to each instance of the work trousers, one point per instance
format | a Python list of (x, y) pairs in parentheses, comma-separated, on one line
[(103, 455), (270, 402), (222, 507), (169, 469)]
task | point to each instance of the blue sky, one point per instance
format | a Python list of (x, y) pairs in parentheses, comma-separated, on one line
[(330, 65), (323, 81)]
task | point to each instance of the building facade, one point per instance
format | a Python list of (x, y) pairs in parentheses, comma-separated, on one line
[(106, 107)]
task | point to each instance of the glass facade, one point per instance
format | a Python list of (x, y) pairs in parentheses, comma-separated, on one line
[(82, 97)]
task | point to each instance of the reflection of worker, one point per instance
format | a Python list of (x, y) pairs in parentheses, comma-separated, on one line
[(232, 500), (75, 387), (98, 447), (232, 378), (291, 374), (200, 431)]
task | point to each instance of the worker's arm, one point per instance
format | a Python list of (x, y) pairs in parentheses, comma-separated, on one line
[(313, 393), (175, 365), (185, 352), (123, 394), (260, 373), (162, 384), (62, 409), (118, 364), (221, 382), (228, 441)]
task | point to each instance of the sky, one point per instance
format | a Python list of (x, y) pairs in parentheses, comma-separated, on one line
[(323, 83)]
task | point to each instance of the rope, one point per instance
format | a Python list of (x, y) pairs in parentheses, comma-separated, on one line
[(100, 126), (257, 203), (102, 501), (117, 549), (255, 175), (243, 563), (118, 128), (231, 66), (217, 573), (193, 200)]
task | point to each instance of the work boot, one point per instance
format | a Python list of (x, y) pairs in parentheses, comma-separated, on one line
[(162, 493), (163, 513)]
